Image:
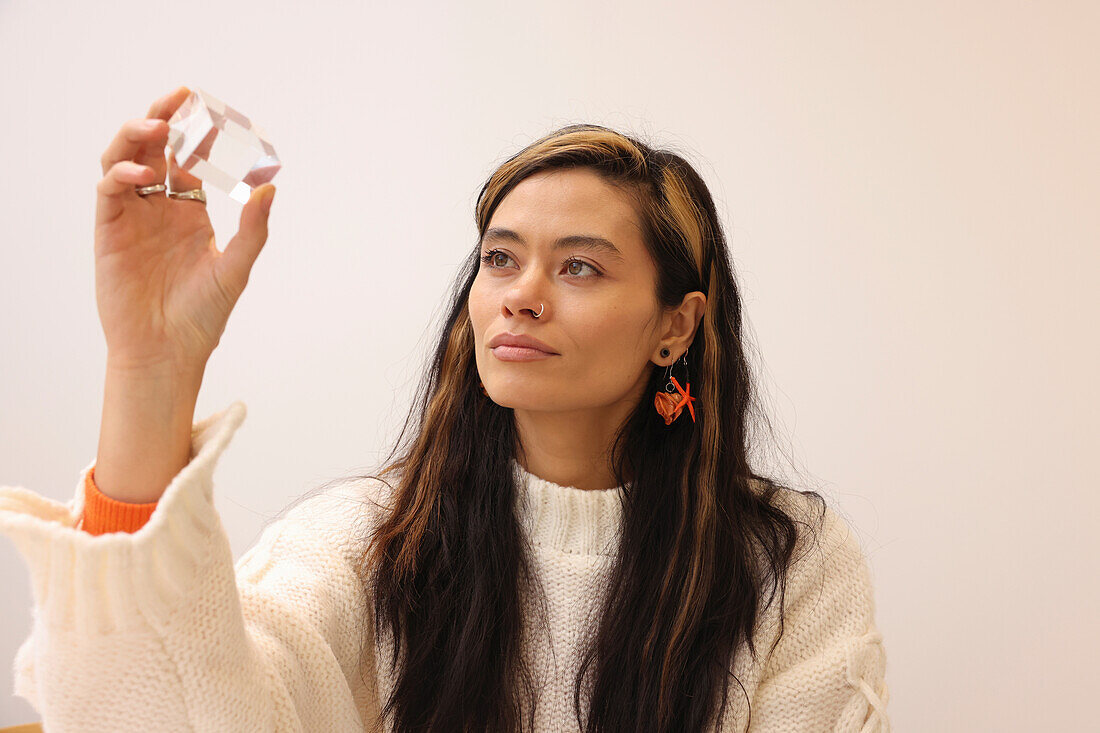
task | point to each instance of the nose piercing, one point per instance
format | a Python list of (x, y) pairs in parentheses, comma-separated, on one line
[(541, 308)]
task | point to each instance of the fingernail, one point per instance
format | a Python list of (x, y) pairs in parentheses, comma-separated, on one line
[(269, 196)]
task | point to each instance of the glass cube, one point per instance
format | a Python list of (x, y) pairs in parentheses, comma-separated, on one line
[(220, 146)]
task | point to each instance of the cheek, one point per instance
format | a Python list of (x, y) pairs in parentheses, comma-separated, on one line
[(617, 337), (479, 308)]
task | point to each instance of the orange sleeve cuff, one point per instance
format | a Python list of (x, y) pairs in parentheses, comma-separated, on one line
[(102, 514)]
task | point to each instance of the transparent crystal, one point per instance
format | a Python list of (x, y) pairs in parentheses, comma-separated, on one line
[(220, 146)]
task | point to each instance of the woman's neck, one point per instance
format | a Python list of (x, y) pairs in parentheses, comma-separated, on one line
[(570, 448)]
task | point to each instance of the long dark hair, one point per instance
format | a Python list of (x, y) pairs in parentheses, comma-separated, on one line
[(445, 569)]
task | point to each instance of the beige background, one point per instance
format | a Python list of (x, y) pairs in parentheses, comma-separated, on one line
[(911, 193)]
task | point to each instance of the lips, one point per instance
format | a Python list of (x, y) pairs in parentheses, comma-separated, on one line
[(518, 339)]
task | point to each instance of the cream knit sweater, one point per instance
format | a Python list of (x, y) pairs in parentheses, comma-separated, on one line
[(160, 630)]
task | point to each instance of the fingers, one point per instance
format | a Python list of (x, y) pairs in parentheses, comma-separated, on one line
[(167, 105), (136, 156), (130, 142), (143, 140), (243, 249), (114, 188), (178, 178)]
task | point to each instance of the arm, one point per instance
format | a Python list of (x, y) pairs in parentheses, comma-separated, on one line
[(145, 430), (144, 441), (827, 673), (160, 630)]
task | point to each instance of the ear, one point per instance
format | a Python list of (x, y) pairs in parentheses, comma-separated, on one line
[(678, 328)]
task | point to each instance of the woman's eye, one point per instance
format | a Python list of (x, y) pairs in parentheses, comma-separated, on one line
[(582, 266), (490, 258), (495, 259)]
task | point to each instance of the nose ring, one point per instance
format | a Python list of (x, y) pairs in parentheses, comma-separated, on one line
[(541, 308)]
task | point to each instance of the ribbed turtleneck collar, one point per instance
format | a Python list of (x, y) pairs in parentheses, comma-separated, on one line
[(568, 519)]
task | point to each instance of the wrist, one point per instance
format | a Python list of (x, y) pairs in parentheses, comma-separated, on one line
[(186, 375)]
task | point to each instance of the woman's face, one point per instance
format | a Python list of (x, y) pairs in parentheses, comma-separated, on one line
[(600, 314)]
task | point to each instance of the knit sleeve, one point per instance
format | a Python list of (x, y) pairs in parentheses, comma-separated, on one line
[(827, 673), (159, 629)]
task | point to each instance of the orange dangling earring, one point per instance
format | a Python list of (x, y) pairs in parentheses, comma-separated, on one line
[(671, 402)]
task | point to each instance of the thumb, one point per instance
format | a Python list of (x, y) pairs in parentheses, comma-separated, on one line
[(246, 244)]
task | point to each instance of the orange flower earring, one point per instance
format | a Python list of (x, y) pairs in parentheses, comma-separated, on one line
[(671, 402)]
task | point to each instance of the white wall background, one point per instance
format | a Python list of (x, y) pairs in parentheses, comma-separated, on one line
[(911, 193)]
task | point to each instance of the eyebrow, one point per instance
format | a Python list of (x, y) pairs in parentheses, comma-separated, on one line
[(587, 241)]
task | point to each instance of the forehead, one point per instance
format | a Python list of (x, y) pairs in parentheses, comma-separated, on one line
[(570, 201)]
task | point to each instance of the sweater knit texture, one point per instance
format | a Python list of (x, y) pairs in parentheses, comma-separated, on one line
[(142, 620)]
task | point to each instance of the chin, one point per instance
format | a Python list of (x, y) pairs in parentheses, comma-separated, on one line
[(519, 397)]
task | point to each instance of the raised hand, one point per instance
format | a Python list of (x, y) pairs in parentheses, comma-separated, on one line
[(163, 290)]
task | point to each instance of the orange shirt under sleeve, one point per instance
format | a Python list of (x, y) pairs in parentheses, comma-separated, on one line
[(102, 514)]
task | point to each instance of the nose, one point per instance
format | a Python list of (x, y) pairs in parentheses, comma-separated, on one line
[(536, 312), (525, 296)]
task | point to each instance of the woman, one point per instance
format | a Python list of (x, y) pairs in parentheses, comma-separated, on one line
[(567, 534)]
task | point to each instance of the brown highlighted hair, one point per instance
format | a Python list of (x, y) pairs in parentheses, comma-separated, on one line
[(703, 549)]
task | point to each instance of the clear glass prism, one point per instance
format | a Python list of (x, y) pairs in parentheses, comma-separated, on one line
[(220, 146)]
